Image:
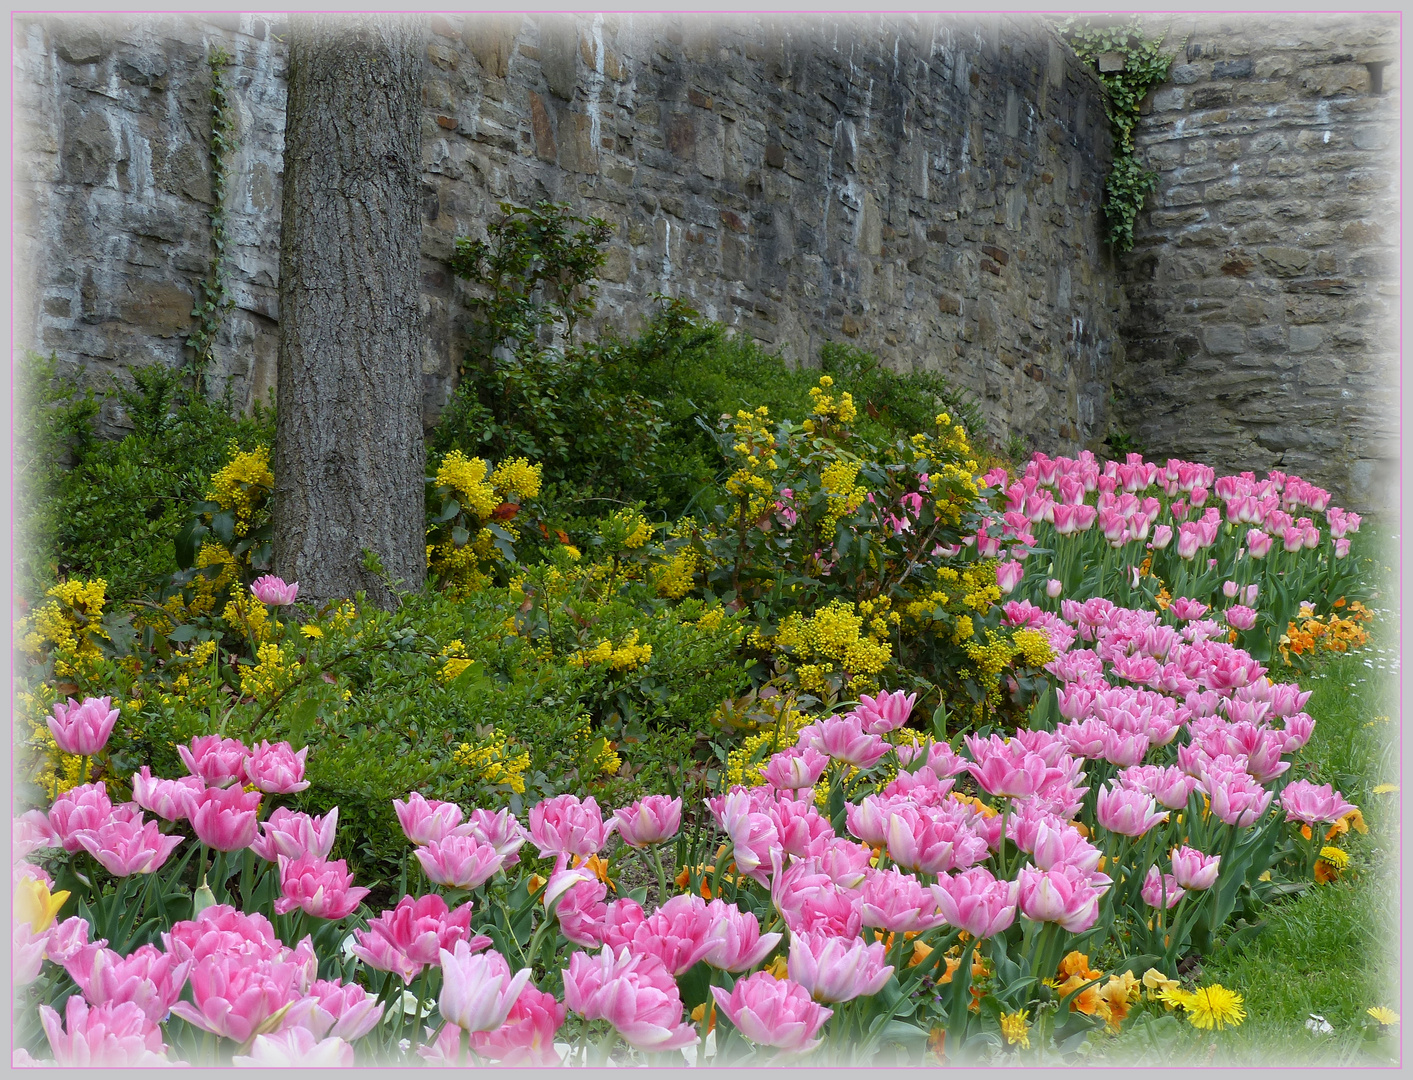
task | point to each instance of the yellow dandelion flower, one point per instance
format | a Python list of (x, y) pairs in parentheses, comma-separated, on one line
[(1386, 1017), (1214, 1007)]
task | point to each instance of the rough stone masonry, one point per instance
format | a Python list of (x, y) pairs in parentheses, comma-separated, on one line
[(1263, 283), (925, 187)]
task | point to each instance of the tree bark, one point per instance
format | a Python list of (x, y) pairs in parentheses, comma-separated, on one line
[(349, 456)]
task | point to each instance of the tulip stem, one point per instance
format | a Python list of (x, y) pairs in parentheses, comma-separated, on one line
[(83, 770), (661, 876)]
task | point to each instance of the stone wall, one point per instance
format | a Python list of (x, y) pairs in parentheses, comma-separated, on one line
[(1264, 280), (924, 187)]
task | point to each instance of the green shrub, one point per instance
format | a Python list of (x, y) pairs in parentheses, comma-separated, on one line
[(113, 511)]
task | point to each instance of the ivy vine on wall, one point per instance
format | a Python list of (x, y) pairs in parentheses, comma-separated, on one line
[(214, 300), (1129, 64)]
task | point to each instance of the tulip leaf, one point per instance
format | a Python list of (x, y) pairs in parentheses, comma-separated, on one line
[(693, 983)]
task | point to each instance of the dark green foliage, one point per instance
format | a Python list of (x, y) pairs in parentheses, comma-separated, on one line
[(91, 507), (1145, 66)]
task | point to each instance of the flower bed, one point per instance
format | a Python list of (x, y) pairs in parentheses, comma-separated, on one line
[(949, 910)]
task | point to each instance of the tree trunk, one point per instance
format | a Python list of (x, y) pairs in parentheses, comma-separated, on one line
[(349, 457)]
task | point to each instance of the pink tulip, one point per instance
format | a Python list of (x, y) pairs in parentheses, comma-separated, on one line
[(425, 821), (462, 862), (582, 913), (149, 978), (27, 953), (221, 931), (808, 899), (293, 834), (1341, 548), (1298, 729), (897, 902), (1185, 610), (1159, 887), (1240, 617), (232, 997), (932, 841), (976, 902), (773, 1012), (277, 769), (273, 592), (527, 1036), (128, 847), (83, 729), (170, 800), (225, 818), (1060, 844), (733, 938), (886, 712), (31, 831), (1237, 799), (1169, 786), (649, 821), (106, 1036), (1306, 803), (406, 938), (500, 829), (333, 1009), (1258, 543), (1194, 870), (322, 889), (799, 827), (216, 760), (867, 819), (1008, 576), (834, 969), (1053, 588), (844, 739), (844, 862), (635, 994), (1162, 536), (565, 825), (1126, 812), (296, 1047), (1005, 769), (478, 990), (1064, 895), (676, 933), (83, 807), (68, 939), (795, 768)]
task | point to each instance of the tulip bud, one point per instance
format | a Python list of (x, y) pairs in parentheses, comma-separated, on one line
[(1053, 588), (202, 899), (1229, 589)]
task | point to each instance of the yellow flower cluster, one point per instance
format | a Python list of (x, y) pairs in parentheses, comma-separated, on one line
[(243, 484), (467, 477), (838, 481), (755, 448), (456, 660), (766, 741), (247, 614), (991, 658), (676, 577), (598, 754), (274, 671), (517, 476), (66, 623), (824, 405), (833, 638), (496, 761), (625, 657), (1034, 646)]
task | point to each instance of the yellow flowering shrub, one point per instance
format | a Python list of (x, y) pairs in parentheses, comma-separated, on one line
[(497, 760), (273, 672), (472, 534), (65, 626), (243, 485), (835, 647)]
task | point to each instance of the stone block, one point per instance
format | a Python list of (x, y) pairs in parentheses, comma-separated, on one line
[(163, 309), (1224, 340), (1285, 261)]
